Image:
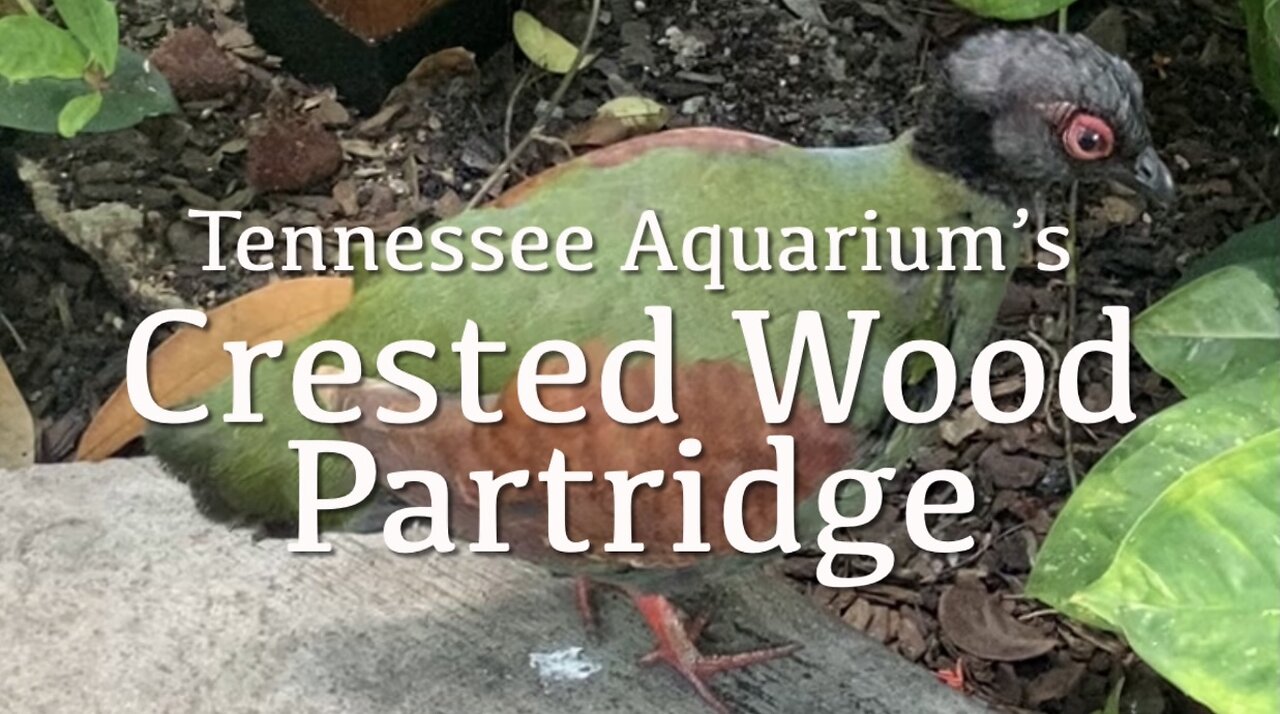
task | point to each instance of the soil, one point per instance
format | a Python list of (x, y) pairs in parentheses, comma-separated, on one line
[(747, 64)]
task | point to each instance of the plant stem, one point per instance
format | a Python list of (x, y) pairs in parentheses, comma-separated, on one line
[(552, 104), (27, 7), (1068, 440)]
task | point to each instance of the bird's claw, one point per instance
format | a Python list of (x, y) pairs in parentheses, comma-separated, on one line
[(677, 648)]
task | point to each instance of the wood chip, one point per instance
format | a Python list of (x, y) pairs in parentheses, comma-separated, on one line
[(379, 121), (363, 149), (348, 198)]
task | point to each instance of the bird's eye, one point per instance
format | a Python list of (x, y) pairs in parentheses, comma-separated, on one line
[(1087, 138)]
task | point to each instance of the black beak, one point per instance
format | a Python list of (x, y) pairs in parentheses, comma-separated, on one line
[(1152, 177)]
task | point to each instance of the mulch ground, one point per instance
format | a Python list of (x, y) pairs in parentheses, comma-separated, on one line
[(746, 64)]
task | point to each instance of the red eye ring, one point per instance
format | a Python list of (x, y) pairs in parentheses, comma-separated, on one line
[(1087, 138)]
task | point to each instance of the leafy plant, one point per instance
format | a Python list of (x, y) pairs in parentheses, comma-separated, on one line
[(1262, 18), (74, 78), (1171, 539), (1013, 9)]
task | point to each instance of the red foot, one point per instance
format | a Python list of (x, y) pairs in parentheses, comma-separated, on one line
[(953, 677), (677, 647)]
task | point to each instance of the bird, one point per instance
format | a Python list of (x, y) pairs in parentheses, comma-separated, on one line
[(1014, 112)]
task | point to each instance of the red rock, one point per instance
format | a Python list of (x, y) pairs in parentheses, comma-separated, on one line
[(197, 69), (291, 153)]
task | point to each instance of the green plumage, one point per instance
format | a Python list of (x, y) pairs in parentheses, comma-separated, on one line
[(248, 472)]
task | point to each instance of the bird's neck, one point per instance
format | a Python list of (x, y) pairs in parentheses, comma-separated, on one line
[(956, 140)]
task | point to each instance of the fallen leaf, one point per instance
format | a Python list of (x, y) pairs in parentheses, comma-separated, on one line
[(599, 131), (619, 119), (543, 46), (640, 113), (444, 65), (974, 621), (17, 431), (193, 361)]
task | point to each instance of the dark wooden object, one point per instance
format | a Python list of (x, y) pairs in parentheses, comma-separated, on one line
[(366, 47)]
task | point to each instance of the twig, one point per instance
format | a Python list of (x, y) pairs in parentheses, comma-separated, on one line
[(1036, 614), (17, 338), (1068, 442), (553, 103), (511, 109), (1051, 384)]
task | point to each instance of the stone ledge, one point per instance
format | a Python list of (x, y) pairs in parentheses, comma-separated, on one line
[(117, 596)]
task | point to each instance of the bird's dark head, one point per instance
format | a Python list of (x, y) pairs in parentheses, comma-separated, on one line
[(1026, 110)]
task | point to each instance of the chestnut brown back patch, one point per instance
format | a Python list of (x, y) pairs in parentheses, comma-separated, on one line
[(716, 402)]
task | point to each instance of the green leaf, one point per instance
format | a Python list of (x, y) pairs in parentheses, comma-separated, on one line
[(544, 46), (1262, 18), (1133, 475), (31, 47), (1261, 242), (95, 24), (78, 112), (1216, 328), (135, 92), (1195, 586), (1013, 9)]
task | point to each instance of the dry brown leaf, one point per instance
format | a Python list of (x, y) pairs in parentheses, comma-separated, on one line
[(17, 431), (193, 361), (597, 132), (974, 621), (439, 67), (619, 119)]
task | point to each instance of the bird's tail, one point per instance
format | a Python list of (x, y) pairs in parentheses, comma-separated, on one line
[(245, 473)]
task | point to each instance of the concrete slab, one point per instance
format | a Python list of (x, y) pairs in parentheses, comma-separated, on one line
[(116, 596)]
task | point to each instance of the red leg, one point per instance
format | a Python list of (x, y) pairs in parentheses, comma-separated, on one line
[(582, 599), (677, 648)]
